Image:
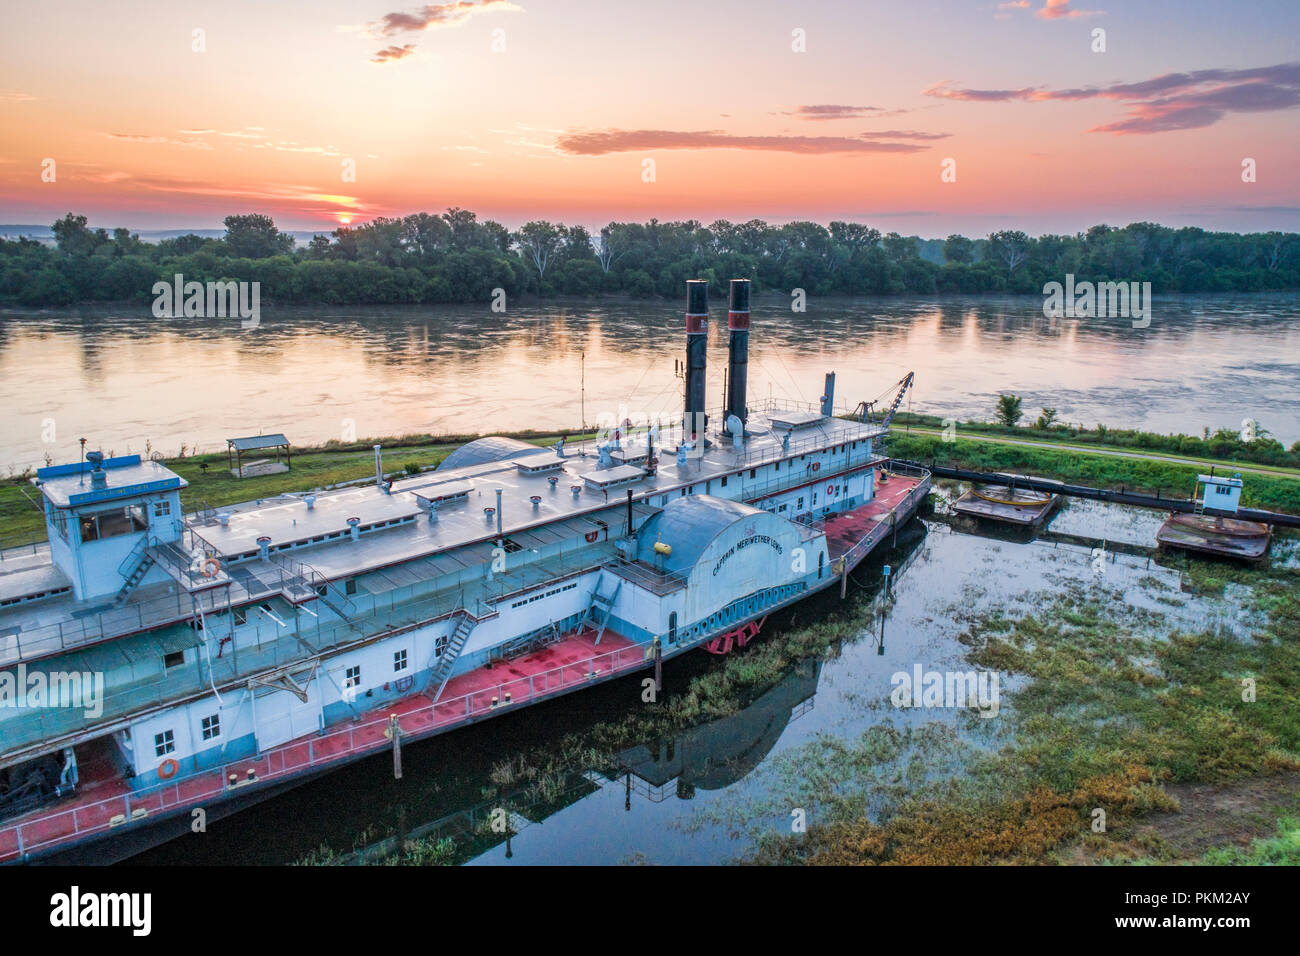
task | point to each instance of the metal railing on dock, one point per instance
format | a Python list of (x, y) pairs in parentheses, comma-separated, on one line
[(1122, 497)]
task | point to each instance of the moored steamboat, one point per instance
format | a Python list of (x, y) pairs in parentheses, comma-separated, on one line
[(208, 661)]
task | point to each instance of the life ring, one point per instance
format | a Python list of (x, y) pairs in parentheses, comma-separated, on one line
[(211, 567), (816, 466), (830, 489), (591, 536), (167, 769)]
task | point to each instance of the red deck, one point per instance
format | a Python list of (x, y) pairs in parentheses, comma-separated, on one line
[(847, 530), (104, 799)]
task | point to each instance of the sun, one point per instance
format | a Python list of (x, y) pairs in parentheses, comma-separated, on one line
[(344, 219)]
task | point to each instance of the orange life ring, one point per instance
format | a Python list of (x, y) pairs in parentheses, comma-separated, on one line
[(816, 466), (830, 489), (167, 769), (211, 567), (591, 536)]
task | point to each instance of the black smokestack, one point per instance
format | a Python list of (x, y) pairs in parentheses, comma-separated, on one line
[(697, 343), (738, 351)]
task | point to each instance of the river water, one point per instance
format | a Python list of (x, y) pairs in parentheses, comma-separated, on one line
[(129, 382)]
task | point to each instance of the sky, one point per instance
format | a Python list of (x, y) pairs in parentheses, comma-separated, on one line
[(925, 117)]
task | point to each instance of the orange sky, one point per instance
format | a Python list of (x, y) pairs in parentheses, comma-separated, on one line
[(149, 132)]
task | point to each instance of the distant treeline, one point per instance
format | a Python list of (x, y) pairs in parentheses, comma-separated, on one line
[(456, 257)]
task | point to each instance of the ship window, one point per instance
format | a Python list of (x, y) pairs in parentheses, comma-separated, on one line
[(352, 676), (780, 508), (724, 481), (211, 726), (799, 506), (399, 660), (1221, 490), (110, 524), (753, 472), (241, 616), (162, 509), (672, 627), (174, 659), (510, 546), (164, 743), (350, 587), (439, 645), (776, 466)]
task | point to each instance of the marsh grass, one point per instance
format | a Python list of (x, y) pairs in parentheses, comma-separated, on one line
[(1110, 706)]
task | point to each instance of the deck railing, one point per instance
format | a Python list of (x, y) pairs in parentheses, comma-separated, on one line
[(20, 838)]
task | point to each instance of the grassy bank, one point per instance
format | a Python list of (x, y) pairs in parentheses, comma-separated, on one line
[(1106, 471), (1220, 447)]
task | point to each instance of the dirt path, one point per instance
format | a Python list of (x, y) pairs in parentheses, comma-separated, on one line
[(1211, 815)]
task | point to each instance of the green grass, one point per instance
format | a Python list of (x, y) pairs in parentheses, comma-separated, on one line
[(1280, 850), (1105, 471)]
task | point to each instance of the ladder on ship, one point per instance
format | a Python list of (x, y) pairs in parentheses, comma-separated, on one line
[(601, 608), (135, 566), (441, 671)]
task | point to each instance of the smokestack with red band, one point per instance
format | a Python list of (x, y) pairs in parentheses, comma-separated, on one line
[(697, 342), (738, 352)]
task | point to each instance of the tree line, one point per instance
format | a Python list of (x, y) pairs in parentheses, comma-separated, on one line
[(456, 257)]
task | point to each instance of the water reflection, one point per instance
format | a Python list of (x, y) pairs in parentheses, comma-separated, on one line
[(123, 378)]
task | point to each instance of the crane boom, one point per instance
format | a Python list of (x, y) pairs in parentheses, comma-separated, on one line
[(904, 384)]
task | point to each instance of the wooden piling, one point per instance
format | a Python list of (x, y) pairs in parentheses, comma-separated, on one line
[(395, 732)]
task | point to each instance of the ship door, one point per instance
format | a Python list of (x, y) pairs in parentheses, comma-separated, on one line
[(672, 628), (821, 562), (287, 708)]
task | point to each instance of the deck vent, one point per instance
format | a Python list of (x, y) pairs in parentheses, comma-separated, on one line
[(532, 467)]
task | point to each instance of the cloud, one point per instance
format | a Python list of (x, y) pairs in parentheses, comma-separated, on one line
[(16, 96), (393, 53), (830, 112), (902, 134), (1171, 101), (1060, 9), (946, 91), (435, 15), (159, 140), (600, 142)]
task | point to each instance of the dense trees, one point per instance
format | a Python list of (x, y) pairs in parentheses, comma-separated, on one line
[(456, 257)]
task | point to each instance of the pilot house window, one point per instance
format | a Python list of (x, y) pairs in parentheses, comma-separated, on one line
[(110, 524)]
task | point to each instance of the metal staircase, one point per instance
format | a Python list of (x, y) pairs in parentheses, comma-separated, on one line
[(601, 607), (133, 568), (442, 666)]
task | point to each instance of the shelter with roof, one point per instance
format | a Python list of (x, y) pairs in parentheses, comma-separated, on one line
[(236, 447)]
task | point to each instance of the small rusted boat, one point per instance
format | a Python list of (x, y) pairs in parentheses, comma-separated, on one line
[(1019, 506)]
